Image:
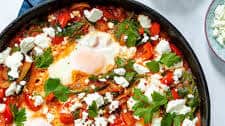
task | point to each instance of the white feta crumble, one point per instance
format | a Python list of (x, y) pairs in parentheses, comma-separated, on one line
[(111, 119), (188, 122), (162, 47), (81, 95), (14, 62), (219, 24), (28, 59), (130, 103), (108, 97), (190, 96), (110, 25), (113, 106), (102, 80), (38, 100), (75, 106), (140, 69), (11, 89), (4, 54), (27, 44), (38, 51), (156, 37), (94, 97), (2, 108), (23, 83), (18, 89), (156, 121), (119, 71), (145, 38), (144, 21), (177, 74), (93, 15), (101, 121), (125, 37), (42, 40), (142, 84), (177, 106), (121, 81), (50, 117), (49, 31)]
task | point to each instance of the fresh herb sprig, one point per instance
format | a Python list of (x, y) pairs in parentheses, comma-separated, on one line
[(19, 116), (44, 60)]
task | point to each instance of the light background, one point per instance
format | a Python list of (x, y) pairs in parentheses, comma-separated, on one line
[(188, 16)]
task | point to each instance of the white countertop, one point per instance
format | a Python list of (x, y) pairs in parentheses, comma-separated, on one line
[(188, 16)]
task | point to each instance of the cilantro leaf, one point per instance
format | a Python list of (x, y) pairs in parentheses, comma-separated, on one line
[(177, 121), (130, 76), (73, 30), (169, 59), (167, 120), (54, 86), (153, 66), (19, 116), (120, 62), (93, 110), (143, 108), (128, 28), (44, 60)]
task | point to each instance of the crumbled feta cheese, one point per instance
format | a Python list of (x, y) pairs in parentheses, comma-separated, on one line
[(11, 89), (108, 97), (28, 59), (2, 108), (18, 89), (121, 81), (50, 117), (177, 74), (23, 83), (42, 40), (27, 44), (188, 122), (81, 95), (177, 106), (4, 54), (113, 106), (94, 97), (219, 24), (102, 80), (13, 62), (111, 119), (162, 47), (101, 121), (145, 38), (142, 84), (125, 37), (110, 25), (156, 121), (38, 51), (144, 21), (140, 69), (75, 106), (156, 37), (38, 100), (190, 96), (130, 103), (49, 31), (93, 15), (119, 71), (86, 81)]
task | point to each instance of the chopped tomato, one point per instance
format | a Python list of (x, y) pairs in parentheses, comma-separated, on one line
[(113, 13), (63, 18), (118, 122), (30, 103), (174, 94), (2, 94), (101, 25), (141, 31), (50, 97), (8, 115), (66, 118), (168, 78), (128, 118), (175, 49), (57, 40), (155, 29), (145, 51)]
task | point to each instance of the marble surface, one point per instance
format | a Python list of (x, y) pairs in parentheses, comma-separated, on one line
[(188, 16)]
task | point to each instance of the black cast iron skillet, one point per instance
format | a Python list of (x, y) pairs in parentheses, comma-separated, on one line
[(176, 36)]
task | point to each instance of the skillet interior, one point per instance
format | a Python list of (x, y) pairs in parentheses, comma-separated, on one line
[(176, 37)]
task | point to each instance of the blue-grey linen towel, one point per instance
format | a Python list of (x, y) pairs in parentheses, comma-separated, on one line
[(28, 4)]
